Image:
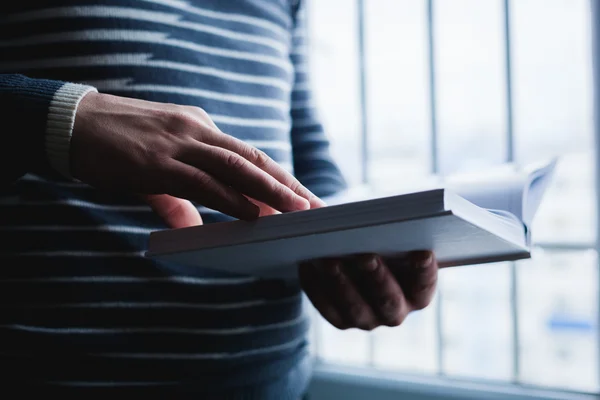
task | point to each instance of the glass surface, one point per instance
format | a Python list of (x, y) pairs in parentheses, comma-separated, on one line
[(348, 347), (470, 74), (335, 79), (398, 91), (552, 77), (558, 308), (568, 211), (410, 348), (476, 321)]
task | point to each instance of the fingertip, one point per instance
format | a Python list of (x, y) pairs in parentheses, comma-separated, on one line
[(316, 202), (368, 262), (301, 204), (254, 211), (250, 211), (423, 258)]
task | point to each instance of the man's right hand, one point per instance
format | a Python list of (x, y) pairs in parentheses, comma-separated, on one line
[(169, 152)]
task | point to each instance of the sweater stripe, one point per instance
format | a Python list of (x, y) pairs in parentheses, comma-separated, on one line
[(231, 17), (142, 60), (147, 37), (141, 15), (155, 330), (187, 280)]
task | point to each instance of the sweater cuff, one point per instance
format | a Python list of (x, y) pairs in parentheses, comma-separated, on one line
[(59, 128)]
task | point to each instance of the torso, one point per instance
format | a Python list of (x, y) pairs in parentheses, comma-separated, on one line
[(74, 284)]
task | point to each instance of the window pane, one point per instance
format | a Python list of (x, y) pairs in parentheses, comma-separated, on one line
[(398, 90), (350, 347), (410, 348), (476, 321), (471, 83), (552, 77), (335, 79), (558, 306), (553, 109), (568, 211)]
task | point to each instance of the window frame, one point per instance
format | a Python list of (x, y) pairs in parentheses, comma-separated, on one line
[(350, 383)]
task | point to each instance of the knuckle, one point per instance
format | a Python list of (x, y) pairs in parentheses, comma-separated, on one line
[(201, 178), (356, 313), (199, 111), (175, 121), (296, 186), (390, 305), (233, 161), (396, 320), (422, 302), (340, 325), (154, 157), (334, 271), (258, 157), (380, 275), (280, 192), (367, 326), (422, 296), (201, 116)]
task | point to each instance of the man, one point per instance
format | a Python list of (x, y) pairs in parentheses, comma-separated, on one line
[(172, 101)]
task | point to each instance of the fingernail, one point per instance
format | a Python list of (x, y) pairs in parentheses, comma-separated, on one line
[(422, 259), (301, 203), (331, 269), (369, 264), (317, 202), (253, 211)]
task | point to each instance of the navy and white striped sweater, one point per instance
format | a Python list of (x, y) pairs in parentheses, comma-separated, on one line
[(80, 308)]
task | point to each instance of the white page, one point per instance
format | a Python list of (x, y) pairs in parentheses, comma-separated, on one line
[(539, 180), (501, 194)]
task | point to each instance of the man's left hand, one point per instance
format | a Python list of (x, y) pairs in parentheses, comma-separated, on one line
[(369, 291)]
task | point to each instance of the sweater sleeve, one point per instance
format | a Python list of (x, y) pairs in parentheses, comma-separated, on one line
[(313, 163), (37, 118)]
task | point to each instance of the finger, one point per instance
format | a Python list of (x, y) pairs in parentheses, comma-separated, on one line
[(185, 181), (381, 289), (310, 281), (417, 277), (263, 162), (234, 170), (344, 295), (264, 209), (177, 213)]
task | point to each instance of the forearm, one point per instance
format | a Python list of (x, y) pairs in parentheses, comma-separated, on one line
[(37, 119)]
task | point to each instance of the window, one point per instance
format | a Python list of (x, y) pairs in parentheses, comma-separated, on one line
[(410, 88)]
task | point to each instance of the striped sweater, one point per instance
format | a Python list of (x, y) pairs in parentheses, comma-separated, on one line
[(81, 309)]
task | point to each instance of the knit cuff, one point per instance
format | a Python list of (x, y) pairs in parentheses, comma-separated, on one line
[(59, 128)]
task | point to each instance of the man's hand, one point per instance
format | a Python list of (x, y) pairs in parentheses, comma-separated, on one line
[(368, 291), (168, 152)]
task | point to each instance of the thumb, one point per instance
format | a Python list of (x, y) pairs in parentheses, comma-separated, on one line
[(177, 213)]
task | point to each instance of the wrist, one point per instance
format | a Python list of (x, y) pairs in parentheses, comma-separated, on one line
[(61, 121)]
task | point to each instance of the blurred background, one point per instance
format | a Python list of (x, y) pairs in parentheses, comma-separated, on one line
[(411, 88)]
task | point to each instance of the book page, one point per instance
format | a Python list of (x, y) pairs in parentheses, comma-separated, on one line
[(539, 180), (507, 190), (499, 194)]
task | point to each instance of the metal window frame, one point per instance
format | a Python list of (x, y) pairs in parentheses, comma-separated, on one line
[(336, 381)]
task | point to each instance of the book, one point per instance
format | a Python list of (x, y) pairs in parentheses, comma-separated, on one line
[(466, 220)]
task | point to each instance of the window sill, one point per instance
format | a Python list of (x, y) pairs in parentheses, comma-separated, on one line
[(350, 383)]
